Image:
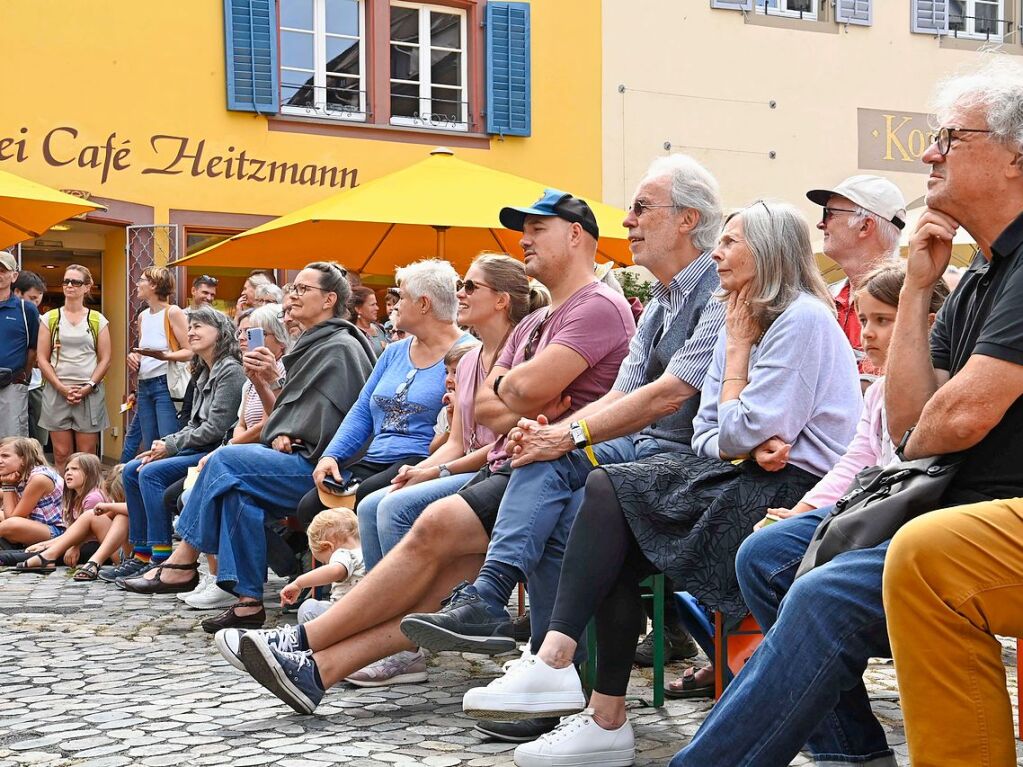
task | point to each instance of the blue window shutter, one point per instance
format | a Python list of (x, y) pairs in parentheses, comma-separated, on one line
[(854, 12), (509, 97), (930, 17), (250, 29)]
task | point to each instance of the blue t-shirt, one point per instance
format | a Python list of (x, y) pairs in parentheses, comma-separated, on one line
[(19, 329), (397, 408)]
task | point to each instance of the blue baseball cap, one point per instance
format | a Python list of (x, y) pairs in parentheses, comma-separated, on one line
[(554, 202)]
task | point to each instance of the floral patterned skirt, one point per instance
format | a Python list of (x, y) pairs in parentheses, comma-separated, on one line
[(689, 514)]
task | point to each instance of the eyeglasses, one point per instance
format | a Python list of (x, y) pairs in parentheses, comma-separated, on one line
[(281, 315), (534, 339), (829, 212), (68, 282), (404, 385), (639, 208), (300, 289), (945, 136), (470, 286), (213, 281)]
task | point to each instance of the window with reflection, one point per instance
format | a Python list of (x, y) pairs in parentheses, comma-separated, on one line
[(980, 19), (322, 58), (428, 66)]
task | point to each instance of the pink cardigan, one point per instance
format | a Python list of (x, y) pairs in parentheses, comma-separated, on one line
[(872, 446)]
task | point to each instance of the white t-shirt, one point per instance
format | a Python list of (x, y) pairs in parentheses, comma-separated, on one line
[(353, 562), (77, 353)]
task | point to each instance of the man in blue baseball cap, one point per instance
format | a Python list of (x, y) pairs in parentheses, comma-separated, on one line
[(554, 202)]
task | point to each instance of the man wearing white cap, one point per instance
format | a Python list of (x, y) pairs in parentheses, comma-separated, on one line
[(19, 326), (862, 219)]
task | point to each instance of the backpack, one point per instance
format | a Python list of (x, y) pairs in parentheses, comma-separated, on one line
[(92, 319)]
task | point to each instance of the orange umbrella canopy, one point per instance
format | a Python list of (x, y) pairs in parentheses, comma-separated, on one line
[(442, 207), (28, 209)]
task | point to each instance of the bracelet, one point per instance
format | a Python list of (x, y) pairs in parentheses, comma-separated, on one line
[(8, 489), (723, 380), (589, 444)]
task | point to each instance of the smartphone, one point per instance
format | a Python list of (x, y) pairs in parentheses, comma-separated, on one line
[(770, 519), (255, 338), (340, 488)]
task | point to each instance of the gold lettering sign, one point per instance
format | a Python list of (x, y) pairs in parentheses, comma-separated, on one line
[(893, 140)]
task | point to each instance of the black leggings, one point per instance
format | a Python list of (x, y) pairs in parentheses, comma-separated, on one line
[(600, 577), (372, 476)]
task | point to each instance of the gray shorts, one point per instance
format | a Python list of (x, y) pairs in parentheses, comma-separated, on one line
[(14, 411), (88, 416)]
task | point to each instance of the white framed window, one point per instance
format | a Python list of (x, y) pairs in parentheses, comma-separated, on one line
[(429, 67), (323, 58), (797, 9), (979, 19)]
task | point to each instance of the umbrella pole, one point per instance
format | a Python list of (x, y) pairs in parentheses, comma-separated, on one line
[(441, 236)]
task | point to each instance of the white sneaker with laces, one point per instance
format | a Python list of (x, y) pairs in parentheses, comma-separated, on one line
[(204, 582), (228, 641), (578, 741), (529, 689), (211, 597)]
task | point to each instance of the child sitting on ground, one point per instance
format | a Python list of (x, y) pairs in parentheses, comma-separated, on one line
[(334, 542), (30, 494)]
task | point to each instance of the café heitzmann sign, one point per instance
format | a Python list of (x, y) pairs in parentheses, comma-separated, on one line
[(166, 155)]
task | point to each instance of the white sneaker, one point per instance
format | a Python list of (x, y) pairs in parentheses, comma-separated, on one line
[(529, 689), (578, 740), (210, 598), (204, 582)]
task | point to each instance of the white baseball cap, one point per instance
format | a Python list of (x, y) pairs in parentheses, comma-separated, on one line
[(878, 195)]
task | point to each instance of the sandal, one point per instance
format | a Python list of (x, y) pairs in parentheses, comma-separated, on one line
[(230, 619), (686, 686), (45, 565), (87, 572), (143, 585)]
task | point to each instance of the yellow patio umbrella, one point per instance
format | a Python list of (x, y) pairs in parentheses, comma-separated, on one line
[(28, 209), (441, 207)]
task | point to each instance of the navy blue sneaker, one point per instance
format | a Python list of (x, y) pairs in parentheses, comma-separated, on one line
[(290, 676), (464, 624)]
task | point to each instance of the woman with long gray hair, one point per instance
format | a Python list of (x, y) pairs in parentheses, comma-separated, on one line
[(218, 391), (781, 393)]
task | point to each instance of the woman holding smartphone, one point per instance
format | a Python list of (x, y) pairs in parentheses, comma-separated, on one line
[(162, 326)]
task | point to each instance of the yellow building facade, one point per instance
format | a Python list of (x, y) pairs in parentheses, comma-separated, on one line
[(135, 106)]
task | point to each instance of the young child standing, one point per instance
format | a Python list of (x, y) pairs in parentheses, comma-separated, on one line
[(334, 542)]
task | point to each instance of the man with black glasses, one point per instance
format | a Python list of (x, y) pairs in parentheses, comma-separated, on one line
[(862, 220), (204, 291)]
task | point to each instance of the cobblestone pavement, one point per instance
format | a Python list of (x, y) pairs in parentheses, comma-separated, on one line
[(95, 676)]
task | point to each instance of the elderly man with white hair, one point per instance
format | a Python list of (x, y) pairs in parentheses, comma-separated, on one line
[(861, 220), (952, 579)]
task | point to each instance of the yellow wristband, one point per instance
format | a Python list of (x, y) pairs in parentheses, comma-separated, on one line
[(589, 444)]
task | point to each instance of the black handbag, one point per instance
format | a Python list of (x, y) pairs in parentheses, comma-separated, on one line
[(879, 502), (6, 377)]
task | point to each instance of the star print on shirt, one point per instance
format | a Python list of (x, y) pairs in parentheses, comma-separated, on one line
[(397, 411)]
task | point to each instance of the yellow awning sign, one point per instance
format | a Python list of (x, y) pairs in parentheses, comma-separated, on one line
[(28, 209), (440, 207)]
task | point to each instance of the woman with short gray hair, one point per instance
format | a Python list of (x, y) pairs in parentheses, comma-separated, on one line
[(268, 293), (779, 404), (218, 391)]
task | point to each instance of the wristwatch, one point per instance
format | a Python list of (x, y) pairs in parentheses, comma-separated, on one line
[(900, 450), (443, 470), (497, 385), (578, 435)]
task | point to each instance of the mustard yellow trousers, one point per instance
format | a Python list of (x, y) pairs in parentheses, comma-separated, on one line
[(953, 579)]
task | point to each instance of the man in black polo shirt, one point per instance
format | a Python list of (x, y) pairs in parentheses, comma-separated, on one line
[(952, 578)]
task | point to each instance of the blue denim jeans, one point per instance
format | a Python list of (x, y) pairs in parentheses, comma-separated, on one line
[(154, 408), (132, 439), (804, 683), (238, 490), (536, 515), (148, 521), (385, 517)]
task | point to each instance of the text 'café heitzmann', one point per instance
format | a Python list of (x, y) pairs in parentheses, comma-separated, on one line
[(206, 119)]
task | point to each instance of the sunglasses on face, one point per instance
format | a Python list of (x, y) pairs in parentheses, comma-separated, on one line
[(829, 212), (470, 286), (70, 283), (638, 208)]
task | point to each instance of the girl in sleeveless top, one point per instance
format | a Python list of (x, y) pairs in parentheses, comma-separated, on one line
[(30, 493), (153, 405), (74, 356)]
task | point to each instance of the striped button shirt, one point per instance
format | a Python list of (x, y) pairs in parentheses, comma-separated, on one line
[(690, 362)]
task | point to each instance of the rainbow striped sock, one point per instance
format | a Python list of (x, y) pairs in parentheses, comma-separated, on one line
[(142, 553), (160, 553)]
